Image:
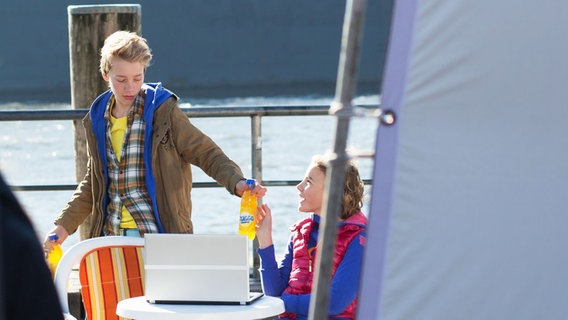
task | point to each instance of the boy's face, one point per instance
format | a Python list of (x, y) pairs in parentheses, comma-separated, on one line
[(125, 80)]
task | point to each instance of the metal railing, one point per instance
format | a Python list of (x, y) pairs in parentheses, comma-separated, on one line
[(254, 112)]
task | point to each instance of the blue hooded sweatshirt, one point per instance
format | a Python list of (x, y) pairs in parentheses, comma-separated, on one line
[(155, 96)]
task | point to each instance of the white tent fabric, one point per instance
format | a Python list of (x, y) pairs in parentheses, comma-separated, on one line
[(469, 210)]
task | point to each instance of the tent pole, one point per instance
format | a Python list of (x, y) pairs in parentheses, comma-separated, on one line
[(342, 108)]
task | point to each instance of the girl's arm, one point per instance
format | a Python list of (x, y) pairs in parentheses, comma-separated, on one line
[(274, 277)]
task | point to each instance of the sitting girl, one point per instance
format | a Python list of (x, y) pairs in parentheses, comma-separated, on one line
[(292, 280)]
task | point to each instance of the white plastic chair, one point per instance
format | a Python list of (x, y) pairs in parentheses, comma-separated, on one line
[(74, 255)]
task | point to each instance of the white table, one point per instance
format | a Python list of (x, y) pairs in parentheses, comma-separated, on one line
[(140, 309)]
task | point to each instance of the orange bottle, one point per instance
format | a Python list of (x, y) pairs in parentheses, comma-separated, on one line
[(247, 217), (55, 255)]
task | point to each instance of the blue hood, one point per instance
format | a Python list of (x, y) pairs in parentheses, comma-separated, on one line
[(155, 96)]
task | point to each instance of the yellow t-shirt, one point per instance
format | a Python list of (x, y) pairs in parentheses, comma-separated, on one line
[(117, 131)]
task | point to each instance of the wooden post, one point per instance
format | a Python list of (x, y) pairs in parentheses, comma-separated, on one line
[(89, 26)]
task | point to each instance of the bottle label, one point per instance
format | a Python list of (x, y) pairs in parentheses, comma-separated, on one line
[(246, 219)]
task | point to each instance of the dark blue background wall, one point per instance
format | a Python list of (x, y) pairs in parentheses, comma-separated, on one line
[(202, 48)]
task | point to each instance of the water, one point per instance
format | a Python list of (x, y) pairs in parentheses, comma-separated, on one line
[(41, 152)]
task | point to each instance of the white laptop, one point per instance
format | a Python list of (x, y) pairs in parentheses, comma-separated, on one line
[(198, 269)]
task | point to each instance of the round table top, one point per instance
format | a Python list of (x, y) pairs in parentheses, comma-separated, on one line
[(140, 309)]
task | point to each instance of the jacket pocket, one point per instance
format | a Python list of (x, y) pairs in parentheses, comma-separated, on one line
[(166, 142)]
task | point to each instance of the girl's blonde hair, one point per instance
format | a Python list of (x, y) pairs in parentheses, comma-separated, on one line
[(353, 187), (127, 46)]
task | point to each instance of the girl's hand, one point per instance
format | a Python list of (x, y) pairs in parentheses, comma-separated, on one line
[(263, 226)]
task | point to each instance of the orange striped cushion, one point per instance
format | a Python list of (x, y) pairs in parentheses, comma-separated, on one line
[(109, 275)]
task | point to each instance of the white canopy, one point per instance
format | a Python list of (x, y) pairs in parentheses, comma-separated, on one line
[(469, 211)]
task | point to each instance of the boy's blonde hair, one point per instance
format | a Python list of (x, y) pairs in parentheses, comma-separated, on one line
[(127, 46), (353, 187)]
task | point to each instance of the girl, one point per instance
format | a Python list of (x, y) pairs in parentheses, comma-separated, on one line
[(292, 280)]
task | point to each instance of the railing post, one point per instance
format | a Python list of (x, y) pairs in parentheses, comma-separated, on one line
[(256, 163), (89, 25)]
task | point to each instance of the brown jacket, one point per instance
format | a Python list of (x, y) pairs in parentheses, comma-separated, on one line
[(176, 145)]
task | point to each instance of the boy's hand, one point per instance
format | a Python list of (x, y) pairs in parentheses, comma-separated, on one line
[(241, 187), (61, 233)]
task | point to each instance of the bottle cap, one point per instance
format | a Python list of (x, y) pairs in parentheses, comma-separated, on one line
[(52, 237), (250, 183)]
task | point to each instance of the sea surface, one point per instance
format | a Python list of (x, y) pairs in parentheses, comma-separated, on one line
[(41, 152)]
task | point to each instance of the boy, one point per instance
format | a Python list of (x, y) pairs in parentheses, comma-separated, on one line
[(140, 147)]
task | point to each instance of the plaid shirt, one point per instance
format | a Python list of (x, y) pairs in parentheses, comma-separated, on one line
[(127, 184)]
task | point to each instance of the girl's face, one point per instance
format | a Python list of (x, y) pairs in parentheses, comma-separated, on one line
[(125, 80), (311, 191)]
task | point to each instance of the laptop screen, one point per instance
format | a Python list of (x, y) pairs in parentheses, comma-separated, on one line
[(196, 268)]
